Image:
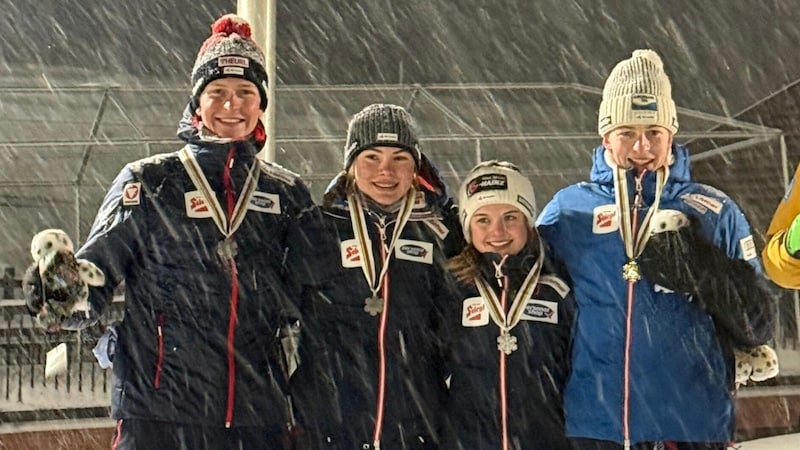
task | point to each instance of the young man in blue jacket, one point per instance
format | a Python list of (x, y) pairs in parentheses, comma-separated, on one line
[(666, 278)]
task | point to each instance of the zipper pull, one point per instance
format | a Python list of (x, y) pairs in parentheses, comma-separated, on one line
[(498, 271)]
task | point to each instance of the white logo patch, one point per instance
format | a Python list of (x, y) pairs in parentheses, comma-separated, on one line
[(702, 203), (416, 251), (540, 311), (351, 254), (748, 248), (474, 313), (605, 219), (263, 202), (387, 137), (233, 71), (131, 194), (438, 227), (196, 205)]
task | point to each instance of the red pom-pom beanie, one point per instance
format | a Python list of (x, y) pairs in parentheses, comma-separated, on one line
[(229, 52)]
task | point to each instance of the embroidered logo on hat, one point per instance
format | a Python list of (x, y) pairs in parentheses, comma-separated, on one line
[(388, 137), (487, 182), (223, 61), (644, 102)]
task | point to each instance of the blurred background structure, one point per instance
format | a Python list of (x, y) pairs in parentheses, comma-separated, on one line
[(86, 86)]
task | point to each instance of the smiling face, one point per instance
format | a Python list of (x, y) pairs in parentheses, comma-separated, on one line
[(499, 228), (639, 146), (230, 107), (384, 174)]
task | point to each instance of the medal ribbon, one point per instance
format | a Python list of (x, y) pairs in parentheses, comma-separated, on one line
[(496, 311), (359, 221), (634, 244), (227, 226)]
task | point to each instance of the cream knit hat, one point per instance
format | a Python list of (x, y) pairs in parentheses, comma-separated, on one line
[(495, 182), (638, 92)]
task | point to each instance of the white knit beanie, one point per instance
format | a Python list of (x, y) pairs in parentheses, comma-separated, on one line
[(638, 92), (495, 182)]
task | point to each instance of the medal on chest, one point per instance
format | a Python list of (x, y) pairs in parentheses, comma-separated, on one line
[(635, 235), (375, 303), (507, 318)]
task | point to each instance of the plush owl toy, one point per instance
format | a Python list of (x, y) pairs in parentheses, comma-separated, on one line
[(57, 284), (752, 364)]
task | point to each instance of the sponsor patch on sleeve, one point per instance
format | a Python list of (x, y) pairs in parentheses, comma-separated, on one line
[(748, 248), (474, 313), (438, 227), (417, 251), (702, 203), (278, 172), (131, 194)]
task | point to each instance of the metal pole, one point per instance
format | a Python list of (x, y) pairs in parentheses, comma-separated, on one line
[(261, 15)]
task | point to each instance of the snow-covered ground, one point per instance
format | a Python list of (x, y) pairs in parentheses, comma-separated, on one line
[(785, 442)]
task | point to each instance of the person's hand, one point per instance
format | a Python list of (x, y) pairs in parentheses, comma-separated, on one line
[(792, 239)]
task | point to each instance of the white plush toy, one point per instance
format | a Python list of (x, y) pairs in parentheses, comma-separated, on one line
[(757, 364), (64, 279)]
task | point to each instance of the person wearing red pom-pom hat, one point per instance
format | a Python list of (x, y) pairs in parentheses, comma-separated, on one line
[(199, 238)]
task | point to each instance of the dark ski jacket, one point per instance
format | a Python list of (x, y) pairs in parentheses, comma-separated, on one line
[(198, 343), (347, 356), (535, 373)]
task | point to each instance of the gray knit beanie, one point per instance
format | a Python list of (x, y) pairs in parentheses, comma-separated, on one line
[(378, 125)]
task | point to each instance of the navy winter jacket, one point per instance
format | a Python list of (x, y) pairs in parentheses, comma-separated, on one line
[(198, 343), (535, 373), (360, 372)]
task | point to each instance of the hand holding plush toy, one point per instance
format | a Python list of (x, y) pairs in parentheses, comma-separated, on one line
[(56, 285)]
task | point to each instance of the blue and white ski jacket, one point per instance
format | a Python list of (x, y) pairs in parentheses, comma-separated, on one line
[(680, 384)]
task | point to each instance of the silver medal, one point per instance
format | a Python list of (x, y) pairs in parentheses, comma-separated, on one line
[(506, 343), (227, 249), (373, 305)]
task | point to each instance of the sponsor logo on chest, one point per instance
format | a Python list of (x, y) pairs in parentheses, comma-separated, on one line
[(605, 219)]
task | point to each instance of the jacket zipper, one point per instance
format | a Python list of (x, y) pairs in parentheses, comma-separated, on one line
[(502, 281), (160, 357), (381, 400), (626, 381), (234, 298)]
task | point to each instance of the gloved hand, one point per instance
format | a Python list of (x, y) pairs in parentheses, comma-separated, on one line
[(792, 239), (55, 286), (756, 364)]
